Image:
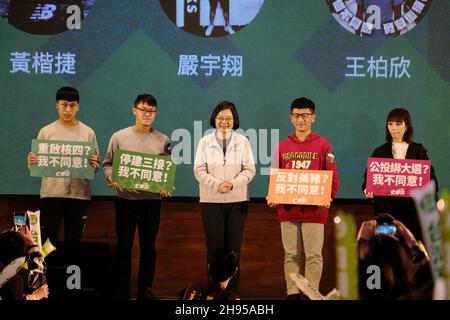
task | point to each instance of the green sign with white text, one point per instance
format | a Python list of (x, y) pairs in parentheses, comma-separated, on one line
[(63, 159), (143, 171)]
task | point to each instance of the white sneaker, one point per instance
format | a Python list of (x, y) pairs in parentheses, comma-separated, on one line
[(209, 30), (229, 29)]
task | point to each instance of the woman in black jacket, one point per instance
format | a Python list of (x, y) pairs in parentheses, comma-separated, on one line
[(399, 145)]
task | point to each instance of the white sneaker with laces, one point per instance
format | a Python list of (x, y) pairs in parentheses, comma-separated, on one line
[(209, 30), (229, 29)]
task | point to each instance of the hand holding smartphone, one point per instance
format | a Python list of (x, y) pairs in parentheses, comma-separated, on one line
[(20, 221), (385, 229), (385, 224)]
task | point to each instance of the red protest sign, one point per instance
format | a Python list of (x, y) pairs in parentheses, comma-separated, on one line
[(396, 177)]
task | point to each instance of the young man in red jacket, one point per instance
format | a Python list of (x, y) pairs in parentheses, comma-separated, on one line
[(302, 226)]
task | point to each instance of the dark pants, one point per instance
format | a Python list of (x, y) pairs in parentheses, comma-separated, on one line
[(129, 214), (74, 213), (224, 3), (224, 227)]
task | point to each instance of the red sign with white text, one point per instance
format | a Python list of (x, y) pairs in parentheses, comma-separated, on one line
[(396, 177)]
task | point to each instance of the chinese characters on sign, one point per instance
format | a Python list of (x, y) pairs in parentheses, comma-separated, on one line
[(396, 177), (393, 68), (141, 171), (43, 63), (63, 159), (192, 65), (307, 187)]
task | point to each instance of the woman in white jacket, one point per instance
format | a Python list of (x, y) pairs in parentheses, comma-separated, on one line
[(224, 167)]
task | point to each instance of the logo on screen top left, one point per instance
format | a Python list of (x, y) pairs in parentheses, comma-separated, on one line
[(46, 17)]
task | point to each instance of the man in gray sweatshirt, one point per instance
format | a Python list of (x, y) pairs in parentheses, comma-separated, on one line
[(65, 198), (137, 208)]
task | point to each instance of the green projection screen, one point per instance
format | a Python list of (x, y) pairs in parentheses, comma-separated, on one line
[(259, 54)]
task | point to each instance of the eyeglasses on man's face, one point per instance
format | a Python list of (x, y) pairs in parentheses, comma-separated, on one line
[(304, 116), (145, 111)]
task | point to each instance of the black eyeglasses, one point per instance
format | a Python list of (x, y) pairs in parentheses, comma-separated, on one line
[(145, 111), (304, 116)]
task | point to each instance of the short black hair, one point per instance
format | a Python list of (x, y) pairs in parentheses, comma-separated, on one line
[(146, 98), (400, 115), (223, 106), (67, 94), (12, 246), (224, 264), (303, 103)]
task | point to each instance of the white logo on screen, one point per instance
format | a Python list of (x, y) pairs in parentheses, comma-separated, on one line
[(43, 12), (374, 13)]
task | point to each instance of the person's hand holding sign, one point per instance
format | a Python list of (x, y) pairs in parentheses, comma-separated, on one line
[(271, 204), (93, 160), (166, 194), (113, 185), (31, 158)]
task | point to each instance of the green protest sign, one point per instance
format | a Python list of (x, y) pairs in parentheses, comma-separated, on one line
[(63, 159), (143, 171)]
